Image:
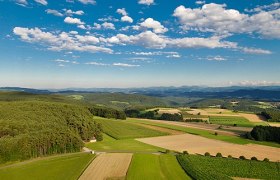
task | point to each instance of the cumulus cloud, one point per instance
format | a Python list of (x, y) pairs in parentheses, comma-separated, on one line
[(60, 41), (71, 20), (70, 12), (107, 25), (43, 2), (150, 23), (96, 63), (53, 12), (22, 2), (146, 2), (216, 18), (125, 17), (87, 2), (199, 2)]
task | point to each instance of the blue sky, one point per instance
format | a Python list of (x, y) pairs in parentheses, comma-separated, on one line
[(138, 43)]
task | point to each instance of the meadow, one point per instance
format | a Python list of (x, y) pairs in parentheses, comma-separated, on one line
[(69, 166), (214, 168), (119, 129), (151, 166), (125, 145), (233, 121)]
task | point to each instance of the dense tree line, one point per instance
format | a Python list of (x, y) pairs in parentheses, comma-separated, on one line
[(271, 115), (153, 115), (107, 112), (265, 133), (31, 129)]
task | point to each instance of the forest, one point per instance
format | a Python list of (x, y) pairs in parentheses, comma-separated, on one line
[(30, 129)]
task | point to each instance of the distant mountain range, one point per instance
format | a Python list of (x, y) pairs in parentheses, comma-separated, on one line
[(252, 92)]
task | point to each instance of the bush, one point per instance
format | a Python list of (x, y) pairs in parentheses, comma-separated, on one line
[(219, 155), (229, 156), (185, 152), (216, 134), (207, 154), (242, 157), (254, 158), (167, 151), (266, 160)]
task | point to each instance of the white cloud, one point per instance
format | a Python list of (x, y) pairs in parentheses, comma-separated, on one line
[(199, 2), (127, 19), (256, 51), (122, 11), (96, 26), (22, 2), (81, 26), (153, 24), (70, 20), (43, 2), (96, 64), (61, 61), (174, 56), (217, 19), (69, 12), (87, 39), (59, 41), (108, 25), (53, 12), (108, 18), (216, 58), (125, 65), (87, 1), (146, 2)]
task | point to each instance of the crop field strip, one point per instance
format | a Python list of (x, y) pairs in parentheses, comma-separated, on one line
[(203, 133), (199, 145), (106, 166), (238, 121), (122, 130), (151, 166), (214, 168)]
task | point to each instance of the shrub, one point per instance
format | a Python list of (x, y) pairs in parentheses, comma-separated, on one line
[(242, 157), (219, 155), (229, 156), (167, 151), (254, 158), (185, 152), (216, 134), (266, 160), (234, 124), (207, 154)]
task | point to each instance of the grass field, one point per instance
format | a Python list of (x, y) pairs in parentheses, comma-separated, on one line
[(119, 129), (129, 145), (205, 133), (201, 167), (60, 167), (230, 121), (150, 167)]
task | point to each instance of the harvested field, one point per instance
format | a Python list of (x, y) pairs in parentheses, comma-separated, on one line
[(252, 117), (196, 144), (108, 166)]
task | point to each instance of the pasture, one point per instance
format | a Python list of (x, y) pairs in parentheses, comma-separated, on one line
[(119, 129), (212, 168), (69, 166), (233, 121), (126, 145), (151, 166)]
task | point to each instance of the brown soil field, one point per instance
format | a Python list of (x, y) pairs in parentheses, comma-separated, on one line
[(199, 145), (108, 166), (161, 129)]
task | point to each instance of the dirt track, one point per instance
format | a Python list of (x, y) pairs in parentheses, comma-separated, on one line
[(110, 165), (196, 144)]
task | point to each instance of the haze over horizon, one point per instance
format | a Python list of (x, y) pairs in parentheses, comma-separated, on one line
[(143, 43)]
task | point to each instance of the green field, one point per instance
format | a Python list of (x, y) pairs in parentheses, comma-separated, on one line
[(150, 167), (205, 133), (212, 168), (59, 167), (119, 129), (124, 145), (230, 121)]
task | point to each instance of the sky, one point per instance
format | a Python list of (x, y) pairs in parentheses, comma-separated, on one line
[(139, 43)]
